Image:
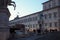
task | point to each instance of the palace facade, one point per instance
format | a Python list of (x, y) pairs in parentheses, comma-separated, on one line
[(47, 19), (31, 22)]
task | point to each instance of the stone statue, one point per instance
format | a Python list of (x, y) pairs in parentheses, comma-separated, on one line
[(5, 3)]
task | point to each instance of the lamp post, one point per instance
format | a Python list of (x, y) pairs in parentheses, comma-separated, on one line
[(4, 18)]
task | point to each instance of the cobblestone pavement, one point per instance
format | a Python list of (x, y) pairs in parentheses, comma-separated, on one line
[(49, 36)]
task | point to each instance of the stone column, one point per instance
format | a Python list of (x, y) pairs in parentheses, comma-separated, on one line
[(4, 21)]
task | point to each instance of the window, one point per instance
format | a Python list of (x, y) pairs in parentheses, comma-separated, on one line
[(43, 7), (54, 3), (59, 2), (45, 24), (50, 15), (21, 21), (49, 4), (50, 24), (25, 20), (55, 24), (41, 15), (33, 25), (30, 26), (36, 25), (34, 18), (30, 19), (45, 16), (55, 14)]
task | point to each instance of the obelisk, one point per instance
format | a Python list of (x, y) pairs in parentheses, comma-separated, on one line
[(4, 18)]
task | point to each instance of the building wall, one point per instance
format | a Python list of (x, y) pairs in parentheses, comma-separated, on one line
[(51, 16), (49, 20), (51, 3), (30, 21)]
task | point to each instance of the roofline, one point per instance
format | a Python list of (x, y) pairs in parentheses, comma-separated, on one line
[(51, 8), (46, 1), (29, 15)]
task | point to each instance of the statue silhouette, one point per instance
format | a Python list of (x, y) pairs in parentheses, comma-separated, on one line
[(5, 3)]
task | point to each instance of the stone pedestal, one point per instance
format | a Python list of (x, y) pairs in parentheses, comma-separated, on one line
[(4, 21)]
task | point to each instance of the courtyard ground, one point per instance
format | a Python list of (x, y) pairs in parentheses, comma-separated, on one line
[(48, 36)]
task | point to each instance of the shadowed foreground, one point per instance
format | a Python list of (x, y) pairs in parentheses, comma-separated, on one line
[(48, 36)]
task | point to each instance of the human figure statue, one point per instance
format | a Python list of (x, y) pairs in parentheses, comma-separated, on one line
[(5, 3)]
